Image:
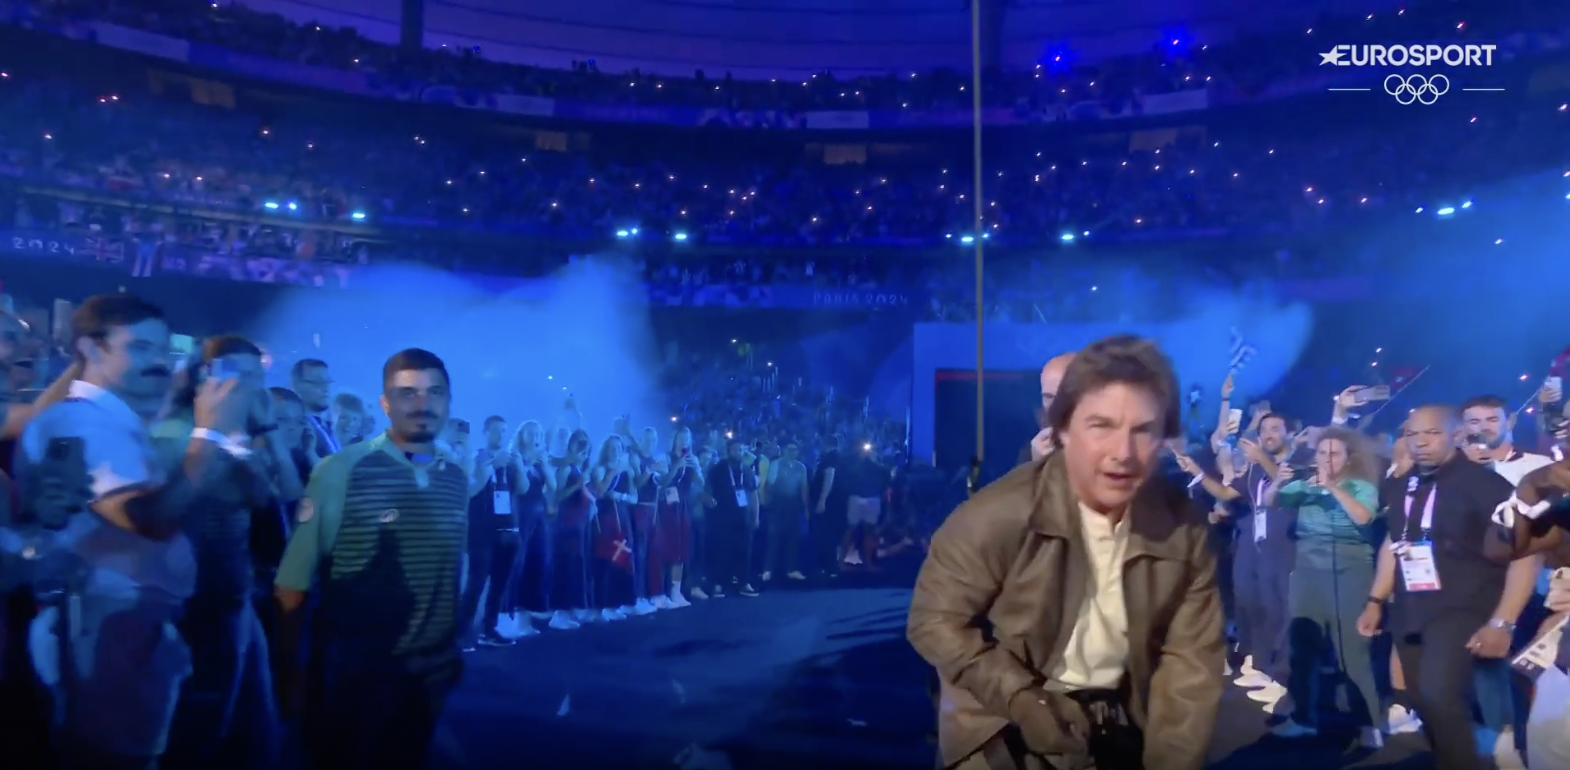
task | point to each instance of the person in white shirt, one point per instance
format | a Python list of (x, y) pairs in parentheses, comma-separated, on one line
[(124, 565)]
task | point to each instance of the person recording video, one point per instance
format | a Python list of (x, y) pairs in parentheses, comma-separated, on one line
[(122, 575)]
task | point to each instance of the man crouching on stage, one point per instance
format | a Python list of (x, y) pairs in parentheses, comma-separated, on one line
[(1070, 608)]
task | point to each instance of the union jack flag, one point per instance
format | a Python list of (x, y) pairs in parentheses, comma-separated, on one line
[(1242, 352)]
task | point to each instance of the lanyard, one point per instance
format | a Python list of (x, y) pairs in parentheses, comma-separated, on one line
[(1427, 522), (735, 484)]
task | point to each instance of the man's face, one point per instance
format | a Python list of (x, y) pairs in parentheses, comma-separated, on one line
[(417, 403), (1490, 422), (1110, 444), (792, 452), (134, 359), (291, 422), (314, 386), (1430, 437), (1273, 434), (495, 433), (733, 452)]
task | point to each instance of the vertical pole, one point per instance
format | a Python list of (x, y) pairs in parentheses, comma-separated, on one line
[(979, 232)]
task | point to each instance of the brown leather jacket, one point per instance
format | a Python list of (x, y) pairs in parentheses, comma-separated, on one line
[(991, 611)]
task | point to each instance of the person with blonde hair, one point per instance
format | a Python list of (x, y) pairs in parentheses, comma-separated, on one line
[(350, 419), (1336, 501)]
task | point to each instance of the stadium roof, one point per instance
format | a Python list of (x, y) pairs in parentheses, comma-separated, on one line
[(785, 38)]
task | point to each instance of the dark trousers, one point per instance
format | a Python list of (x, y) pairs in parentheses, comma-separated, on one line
[(492, 553), (225, 716), (649, 568), (1324, 607), (786, 520), (529, 587), (1439, 671), (376, 713), (696, 573), (730, 546), (824, 532), (570, 568), (1260, 583)]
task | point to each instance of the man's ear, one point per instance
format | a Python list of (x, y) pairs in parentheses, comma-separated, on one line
[(1510, 422)]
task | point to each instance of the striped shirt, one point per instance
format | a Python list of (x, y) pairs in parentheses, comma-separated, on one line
[(385, 540)]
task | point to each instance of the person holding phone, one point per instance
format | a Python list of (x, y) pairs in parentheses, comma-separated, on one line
[(226, 713), (139, 569), (1336, 535)]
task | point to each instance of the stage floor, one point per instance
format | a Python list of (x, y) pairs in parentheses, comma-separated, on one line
[(813, 679)]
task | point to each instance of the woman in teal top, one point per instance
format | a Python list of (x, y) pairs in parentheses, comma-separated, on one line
[(1336, 502)]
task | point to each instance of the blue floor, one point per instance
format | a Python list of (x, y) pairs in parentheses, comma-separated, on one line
[(812, 679)]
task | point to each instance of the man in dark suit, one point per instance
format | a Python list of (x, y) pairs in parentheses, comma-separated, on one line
[(310, 379)]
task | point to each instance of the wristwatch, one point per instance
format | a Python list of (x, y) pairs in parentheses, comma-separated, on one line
[(1502, 624)]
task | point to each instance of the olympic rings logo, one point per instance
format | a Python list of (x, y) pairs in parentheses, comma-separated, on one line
[(1417, 88)]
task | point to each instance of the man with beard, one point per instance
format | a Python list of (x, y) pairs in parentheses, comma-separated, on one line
[(381, 532), (1454, 611), (1488, 424), (128, 569), (309, 379), (1262, 561), (1070, 608)]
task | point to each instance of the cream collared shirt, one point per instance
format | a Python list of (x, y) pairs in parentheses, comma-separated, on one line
[(1096, 656)]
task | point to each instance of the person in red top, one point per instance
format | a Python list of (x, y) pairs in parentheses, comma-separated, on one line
[(575, 505)]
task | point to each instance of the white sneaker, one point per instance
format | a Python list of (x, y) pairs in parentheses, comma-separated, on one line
[(1253, 681), (561, 621), (853, 559), (795, 574), (1370, 738), (523, 632), (542, 615), (507, 626), (644, 607), (697, 593), (1403, 721), (1291, 729), (1270, 693), (765, 577), (1248, 666), (662, 602), (586, 616), (609, 614), (678, 601)]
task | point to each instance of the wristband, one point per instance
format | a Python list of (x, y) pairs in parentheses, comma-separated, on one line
[(1376, 600), (227, 444)]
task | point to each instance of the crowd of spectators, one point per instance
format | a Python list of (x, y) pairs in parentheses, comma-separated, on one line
[(1246, 64)]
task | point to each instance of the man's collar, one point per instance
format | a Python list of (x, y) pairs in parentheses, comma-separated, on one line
[(86, 391)]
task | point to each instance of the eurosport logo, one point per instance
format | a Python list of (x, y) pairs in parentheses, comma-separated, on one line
[(1406, 89)]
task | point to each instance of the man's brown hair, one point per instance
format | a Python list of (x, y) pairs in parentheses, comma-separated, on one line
[(1120, 359)]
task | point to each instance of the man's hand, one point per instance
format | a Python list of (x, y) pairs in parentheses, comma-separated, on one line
[(1349, 398), (1252, 451), (1188, 465), (1490, 642), (501, 460), (1369, 619), (1549, 395), (1259, 409), (1041, 446), (1226, 387), (1050, 723), (222, 405), (1283, 474), (1219, 513)]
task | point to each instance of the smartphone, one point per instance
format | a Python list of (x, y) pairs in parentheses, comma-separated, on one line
[(219, 370), (1376, 393), (1234, 420), (60, 321), (1555, 383), (66, 451)]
